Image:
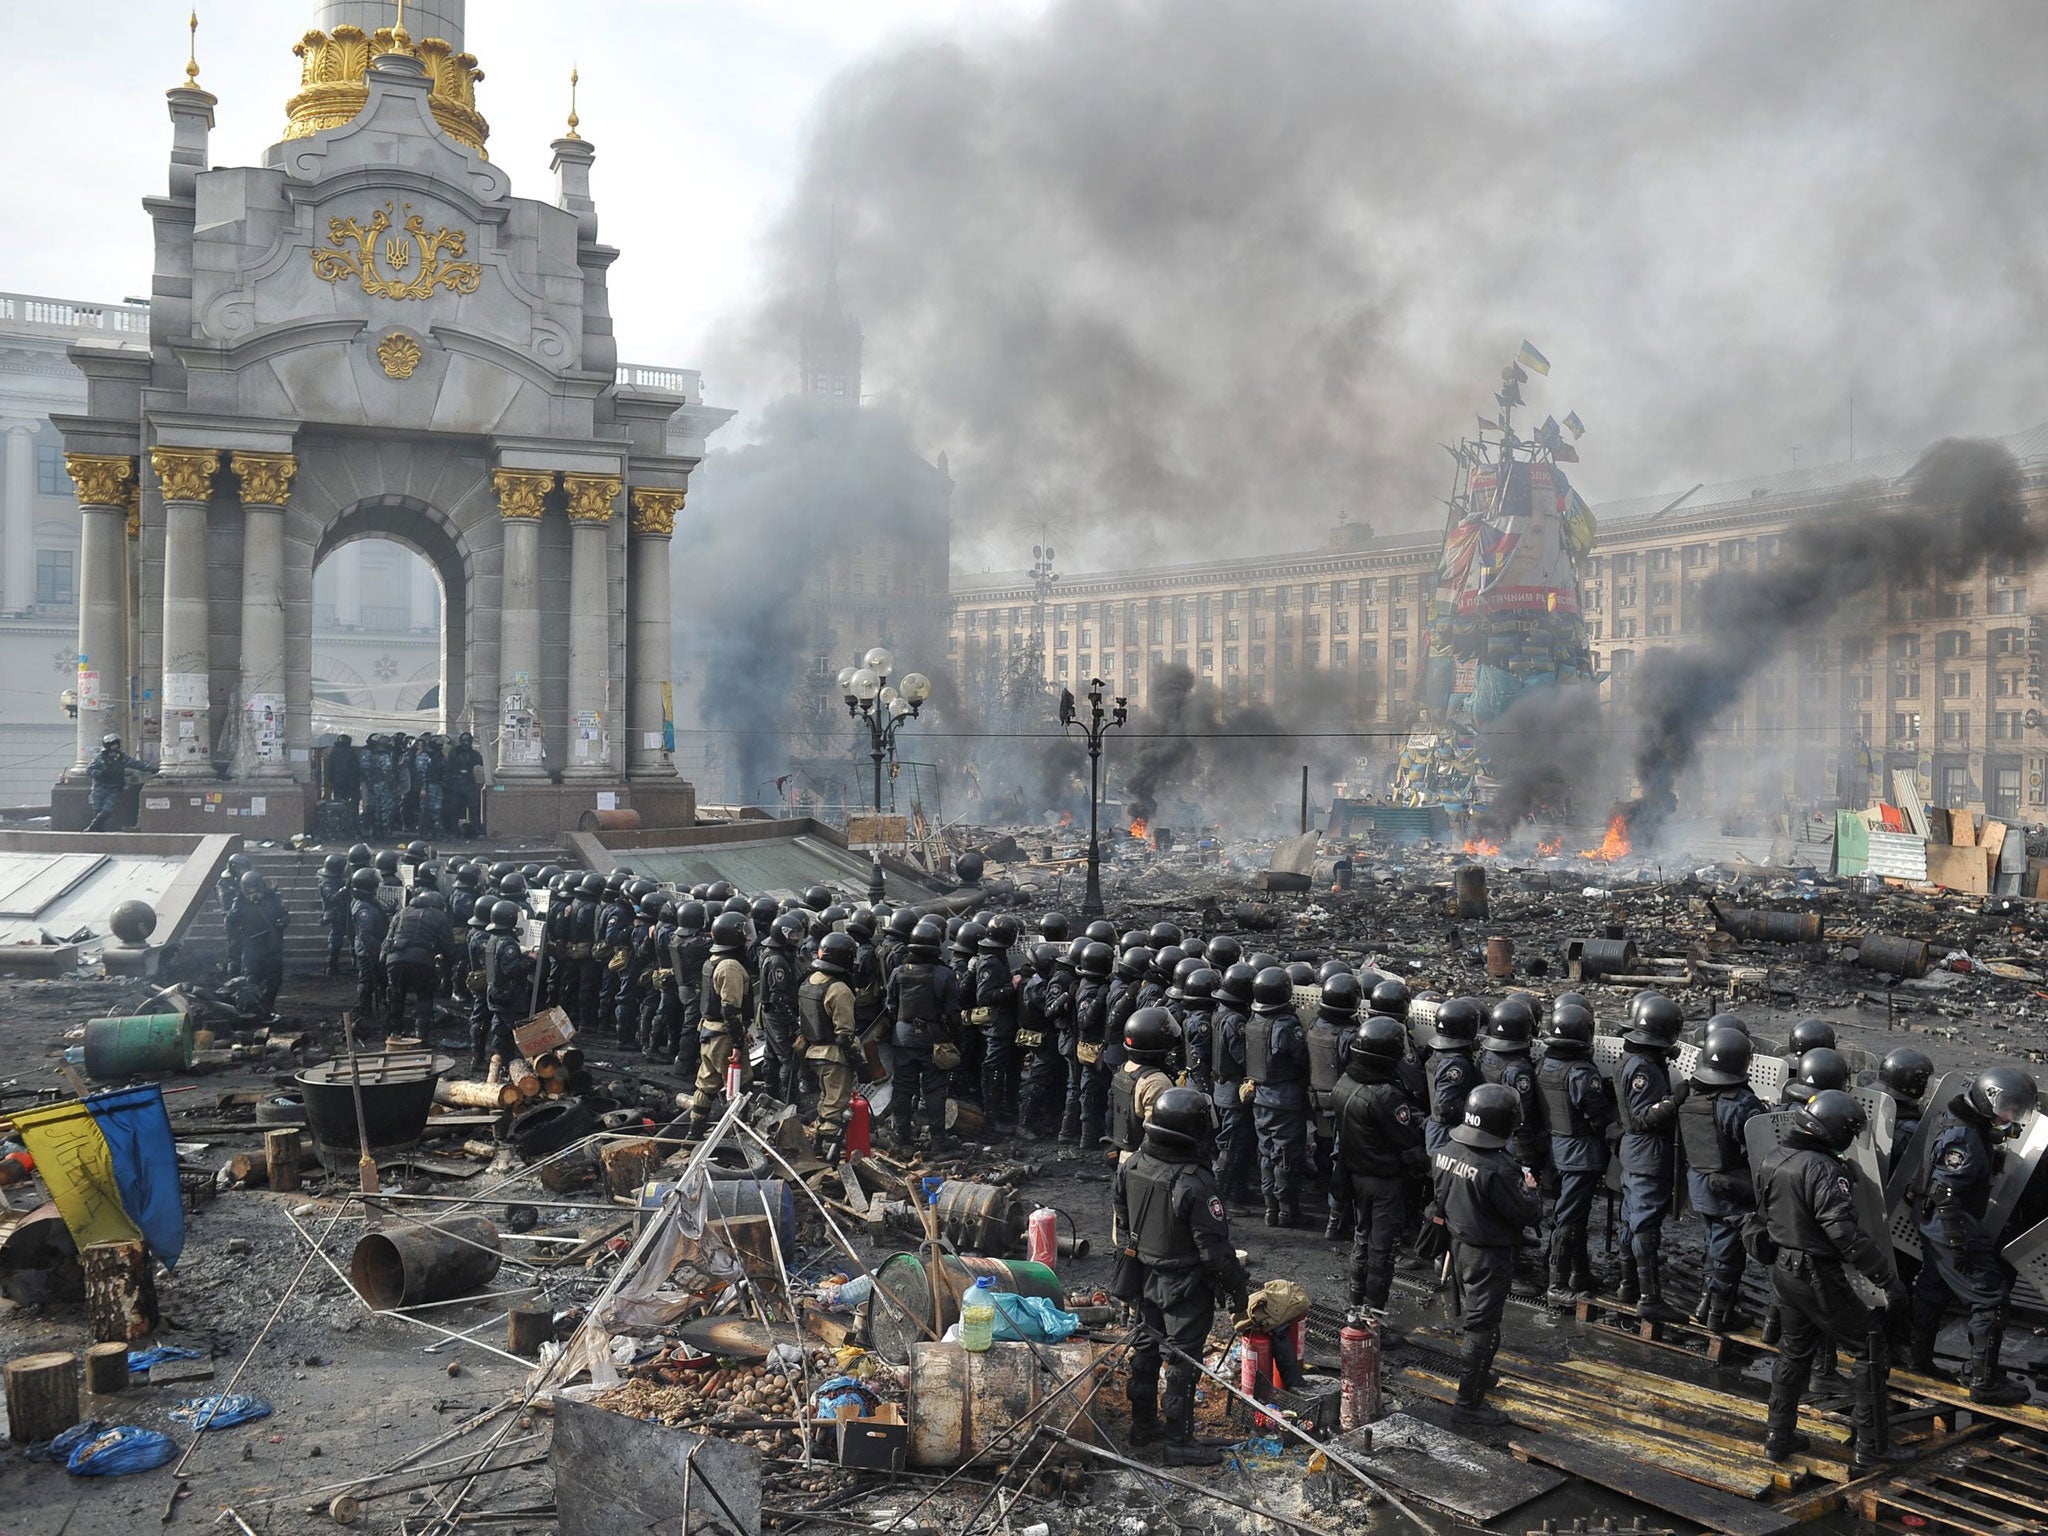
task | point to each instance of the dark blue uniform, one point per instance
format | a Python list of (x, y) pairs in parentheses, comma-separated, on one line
[(1711, 1123), (1959, 1254), (1235, 1146), (1088, 1084), (1276, 1060), (368, 922), (1579, 1108), (992, 1004), (108, 770), (1649, 1115), (1379, 1139), (1197, 1030), (1038, 1045), (1451, 1076), (334, 914)]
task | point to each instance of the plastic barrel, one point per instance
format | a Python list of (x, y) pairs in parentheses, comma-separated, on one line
[(139, 1043)]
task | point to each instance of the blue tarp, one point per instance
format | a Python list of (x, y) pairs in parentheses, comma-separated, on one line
[(138, 1132)]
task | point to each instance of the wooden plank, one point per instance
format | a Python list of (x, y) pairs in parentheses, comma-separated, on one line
[(1991, 838), (1994, 1521), (1959, 869), (2018, 1496), (1650, 1485), (1956, 1396), (1447, 1469), (1962, 829)]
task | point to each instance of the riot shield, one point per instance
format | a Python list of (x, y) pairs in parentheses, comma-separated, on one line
[(2028, 1255), (1768, 1131), (1767, 1078), (1902, 1190)]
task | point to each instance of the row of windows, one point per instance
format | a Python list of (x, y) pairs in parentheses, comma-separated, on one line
[(2006, 725)]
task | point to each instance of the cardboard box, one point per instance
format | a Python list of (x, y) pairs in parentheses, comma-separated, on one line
[(879, 1442), (548, 1030)]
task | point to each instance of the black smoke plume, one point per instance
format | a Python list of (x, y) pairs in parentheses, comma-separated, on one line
[(1959, 507)]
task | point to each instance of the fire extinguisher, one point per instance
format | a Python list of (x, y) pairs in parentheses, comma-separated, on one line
[(736, 1071), (859, 1128), (1042, 1237), (1359, 1373), (1255, 1366)]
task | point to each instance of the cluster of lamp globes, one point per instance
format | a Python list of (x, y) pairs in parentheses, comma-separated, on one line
[(867, 691)]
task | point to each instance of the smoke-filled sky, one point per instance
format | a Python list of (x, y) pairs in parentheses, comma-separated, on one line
[(1194, 276)]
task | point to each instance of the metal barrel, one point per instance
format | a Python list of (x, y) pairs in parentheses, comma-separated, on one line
[(1771, 927), (1470, 884), (1500, 957), (1601, 957), (405, 1266), (981, 1216), (1892, 955), (138, 1043), (620, 820)]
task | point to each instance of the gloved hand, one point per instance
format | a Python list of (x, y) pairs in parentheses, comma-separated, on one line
[(1895, 1294), (1434, 1241), (850, 1046), (1245, 1090)]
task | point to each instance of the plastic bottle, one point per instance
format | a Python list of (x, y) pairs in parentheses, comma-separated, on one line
[(978, 1316)]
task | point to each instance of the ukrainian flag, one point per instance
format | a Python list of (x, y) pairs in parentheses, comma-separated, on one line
[(1576, 427), (111, 1165), (1529, 357)]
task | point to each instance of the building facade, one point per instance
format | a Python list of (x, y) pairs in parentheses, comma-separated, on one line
[(1938, 677)]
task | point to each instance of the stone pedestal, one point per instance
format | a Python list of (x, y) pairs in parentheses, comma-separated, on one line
[(591, 498), (647, 638), (187, 480)]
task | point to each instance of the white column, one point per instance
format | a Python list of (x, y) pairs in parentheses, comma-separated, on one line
[(591, 498), (18, 549), (522, 497), (186, 475), (102, 683), (647, 638), (266, 486)]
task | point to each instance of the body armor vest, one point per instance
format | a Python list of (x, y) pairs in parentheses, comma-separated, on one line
[(1699, 1130), (1160, 1237), (810, 1009), (1221, 1069), (1124, 1131), (1258, 1047), (1325, 1060), (1554, 1086)]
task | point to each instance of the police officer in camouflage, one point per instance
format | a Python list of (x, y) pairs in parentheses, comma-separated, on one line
[(1648, 1105), (1148, 1041), (108, 772), (825, 1016)]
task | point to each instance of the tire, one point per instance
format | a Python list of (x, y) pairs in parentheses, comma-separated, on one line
[(281, 1109), (547, 1128)]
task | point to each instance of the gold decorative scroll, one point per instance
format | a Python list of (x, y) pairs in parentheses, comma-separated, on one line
[(334, 82), (419, 262), (399, 354), (522, 493), (102, 480), (135, 509), (591, 496), (655, 509), (186, 473), (266, 477)]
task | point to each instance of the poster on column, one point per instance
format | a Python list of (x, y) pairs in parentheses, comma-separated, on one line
[(519, 739), (590, 746), (89, 690), (185, 690), (668, 719), (265, 716)]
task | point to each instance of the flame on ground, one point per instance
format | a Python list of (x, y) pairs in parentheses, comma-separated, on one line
[(1138, 827), (1614, 846), (1551, 849), (1066, 818), (1480, 848)]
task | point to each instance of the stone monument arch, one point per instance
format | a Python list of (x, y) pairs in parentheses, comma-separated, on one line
[(370, 335)]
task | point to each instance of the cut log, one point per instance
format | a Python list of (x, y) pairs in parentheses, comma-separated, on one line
[(630, 1164), (281, 1158), (476, 1095), (42, 1396), (106, 1368), (120, 1292), (249, 1169), (527, 1328), (522, 1076)]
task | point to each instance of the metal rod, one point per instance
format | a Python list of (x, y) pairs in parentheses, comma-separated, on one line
[(1186, 1485)]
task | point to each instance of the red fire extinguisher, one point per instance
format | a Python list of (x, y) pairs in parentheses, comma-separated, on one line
[(859, 1127), (1254, 1369), (1042, 1238), (1359, 1352)]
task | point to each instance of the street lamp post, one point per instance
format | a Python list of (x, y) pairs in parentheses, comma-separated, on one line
[(883, 709), (1100, 720)]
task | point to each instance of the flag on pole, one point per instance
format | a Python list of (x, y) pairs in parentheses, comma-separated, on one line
[(1573, 425), (1533, 358), (111, 1166)]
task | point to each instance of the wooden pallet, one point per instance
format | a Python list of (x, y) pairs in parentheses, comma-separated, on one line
[(1995, 1487)]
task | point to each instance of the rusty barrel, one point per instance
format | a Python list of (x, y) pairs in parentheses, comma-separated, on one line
[(1500, 957), (1600, 957), (1771, 927), (1892, 955), (984, 1217), (1470, 884), (621, 820), (405, 1266)]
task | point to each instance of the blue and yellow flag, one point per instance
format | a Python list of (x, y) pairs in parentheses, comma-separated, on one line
[(1573, 425), (110, 1164), (1530, 357)]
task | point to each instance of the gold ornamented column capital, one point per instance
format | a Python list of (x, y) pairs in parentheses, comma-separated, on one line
[(591, 496), (103, 480), (135, 509), (266, 477), (522, 493), (655, 509), (186, 473)]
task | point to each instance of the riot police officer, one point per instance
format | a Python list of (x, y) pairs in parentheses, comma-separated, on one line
[(1905, 1074), (1818, 1069), (1808, 1034), (724, 1002), (476, 959), (334, 908), (1276, 1083), (1484, 1199), (824, 1010), (1042, 1072), (992, 997), (1236, 1144), (583, 971), (508, 984), (418, 939), (458, 787), (1958, 1252), (1061, 991), (1806, 1194), (1452, 1071), (1711, 1127), (1148, 1041), (612, 948), (779, 982), (1578, 1106), (922, 1003), (1088, 1082), (1180, 1252), (1648, 1105), (1198, 1026), (367, 925), (108, 771), (1504, 1059), (261, 919), (688, 950), (1379, 1143), (1329, 1037)]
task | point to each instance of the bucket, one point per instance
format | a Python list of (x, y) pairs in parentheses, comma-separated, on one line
[(405, 1266), (139, 1043)]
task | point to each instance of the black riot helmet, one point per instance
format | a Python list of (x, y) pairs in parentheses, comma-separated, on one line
[(1076, 947), (967, 938), (1164, 934), (729, 933), (334, 864), (861, 925), (1822, 1068), (1509, 1026), (1379, 1039), (1734, 1021), (1222, 952), (1656, 1021), (1134, 962), (387, 862), (513, 886), (790, 930), (1260, 959), (763, 910), (651, 905), (1003, 929), (1569, 1036), (1101, 931), (359, 856), (471, 877), (1906, 1072), (1179, 1123), (1177, 984), (505, 917), (1133, 938), (1457, 1025), (737, 905), (690, 917), (927, 939), (1808, 1034), (1572, 1000), (417, 852), (1149, 1035), (954, 924), (837, 954), (591, 886), (1724, 1059), (550, 873), (1054, 928), (720, 891), (1236, 985), (1334, 967), (1272, 992), (1390, 997), (817, 898), (364, 882), (1831, 1119), (1164, 961), (2002, 1095), (1095, 960), (1491, 1114), (1044, 957), (1200, 984), (1342, 995), (901, 922), (240, 864), (501, 869), (1301, 974)]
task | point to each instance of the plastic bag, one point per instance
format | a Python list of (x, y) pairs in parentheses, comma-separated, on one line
[(220, 1412), (1031, 1320), (118, 1451), (143, 1359)]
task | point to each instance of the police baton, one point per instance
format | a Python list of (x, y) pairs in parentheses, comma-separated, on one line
[(1874, 1374)]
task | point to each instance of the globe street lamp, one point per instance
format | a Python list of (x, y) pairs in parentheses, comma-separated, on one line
[(1100, 721), (883, 709)]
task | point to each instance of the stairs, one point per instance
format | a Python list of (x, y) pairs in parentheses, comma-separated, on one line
[(296, 875)]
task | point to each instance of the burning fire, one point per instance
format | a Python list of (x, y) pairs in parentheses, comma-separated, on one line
[(1066, 819), (1138, 827), (1614, 846), (1551, 849), (1480, 848)]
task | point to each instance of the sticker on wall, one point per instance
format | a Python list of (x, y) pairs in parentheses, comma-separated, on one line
[(89, 689), (264, 714)]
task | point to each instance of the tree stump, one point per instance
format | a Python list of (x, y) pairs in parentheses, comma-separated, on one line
[(281, 1158), (248, 1169), (106, 1368), (630, 1164), (527, 1328), (120, 1292), (42, 1396)]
